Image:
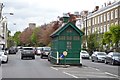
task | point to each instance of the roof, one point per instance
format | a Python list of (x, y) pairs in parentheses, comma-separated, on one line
[(105, 8), (63, 27)]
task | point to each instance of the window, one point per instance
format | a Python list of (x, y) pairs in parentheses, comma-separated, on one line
[(104, 28), (69, 45), (61, 37), (116, 23), (111, 15), (69, 30), (108, 16), (116, 13), (76, 38), (98, 29), (68, 37), (92, 30), (93, 21), (98, 19), (107, 27), (104, 17), (101, 18), (89, 22)]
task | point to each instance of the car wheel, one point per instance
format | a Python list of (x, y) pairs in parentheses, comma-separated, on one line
[(6, 60), (33, 57), (112, 62), (21, 57), (41, 56), (96, 60), (92, 60), (106, 62)]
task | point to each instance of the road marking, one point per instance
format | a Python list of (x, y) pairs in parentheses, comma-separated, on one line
[(54, 68), (70, 74), (97, 69), (111, 74)]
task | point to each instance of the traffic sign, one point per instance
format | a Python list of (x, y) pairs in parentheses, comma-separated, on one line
[(65, 53)]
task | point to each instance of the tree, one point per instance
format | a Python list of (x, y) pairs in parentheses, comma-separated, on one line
[(16, 38), (112, 37), (115, 31), (34, 37), (107, 38), (93, 41), (25, 36)]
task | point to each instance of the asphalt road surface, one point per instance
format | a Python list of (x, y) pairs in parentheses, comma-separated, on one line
[(41, 68), (110, 69)]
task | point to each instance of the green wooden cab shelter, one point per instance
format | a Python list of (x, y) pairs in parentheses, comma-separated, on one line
[(66, 38)]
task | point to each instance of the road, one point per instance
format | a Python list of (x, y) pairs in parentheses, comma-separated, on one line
[(110, 69), (41, 68)]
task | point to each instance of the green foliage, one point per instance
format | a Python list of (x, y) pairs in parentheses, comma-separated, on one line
[(107, 37), (93, 41), (115, 31), (112, 37), (16, 37), (33, 38)]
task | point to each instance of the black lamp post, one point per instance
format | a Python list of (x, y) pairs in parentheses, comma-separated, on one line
[(86, 13)]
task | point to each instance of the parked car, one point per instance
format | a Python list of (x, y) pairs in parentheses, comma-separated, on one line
[(13, 50), (49, 55), (98, 56), (3, 56), (38, 50), (84, 54), (113, 58), (27, 52), (45, 51)]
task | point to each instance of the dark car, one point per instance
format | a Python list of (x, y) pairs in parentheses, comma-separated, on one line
[(98, 56), (113, 58), (27, 52), (45, 51), (12, 50)]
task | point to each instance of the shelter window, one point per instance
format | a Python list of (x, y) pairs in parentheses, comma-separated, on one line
[(69, 30), (61, 37), (76, 38), (69, 45), (69, 37)]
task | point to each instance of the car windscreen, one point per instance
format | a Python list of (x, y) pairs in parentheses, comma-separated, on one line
[(1, 52), (116, 54), (101, 53), (84, 52), (39, 48), (27, 48), (47, 49)]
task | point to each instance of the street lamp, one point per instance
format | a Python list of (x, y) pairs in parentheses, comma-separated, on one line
[(86, 13), (8, 13)]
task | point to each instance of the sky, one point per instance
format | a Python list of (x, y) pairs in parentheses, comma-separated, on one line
[(42, 11)]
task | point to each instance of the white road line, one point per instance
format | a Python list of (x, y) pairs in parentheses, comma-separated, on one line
[(111, 74), (70, 74), (94, 68), (97, 69), (54, 68)]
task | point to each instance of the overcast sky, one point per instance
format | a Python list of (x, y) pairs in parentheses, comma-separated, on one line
[(42, 11)]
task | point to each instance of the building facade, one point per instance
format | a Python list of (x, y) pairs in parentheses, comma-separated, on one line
[(101, 19), (3, 29)]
